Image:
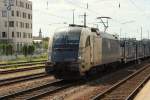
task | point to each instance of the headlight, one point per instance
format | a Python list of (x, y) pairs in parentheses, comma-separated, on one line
[(79, 58)]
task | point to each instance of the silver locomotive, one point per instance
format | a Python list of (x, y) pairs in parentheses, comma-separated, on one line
[(75, 50)]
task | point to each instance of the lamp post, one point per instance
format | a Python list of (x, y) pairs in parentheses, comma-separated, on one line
[(148, 34), (73, 15)]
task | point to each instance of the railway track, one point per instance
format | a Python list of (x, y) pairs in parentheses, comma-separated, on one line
[(21, 69), (53, 87), (126, 88), (36, 92), (21, 63), (18, 65), (21, 79), (136, 91)]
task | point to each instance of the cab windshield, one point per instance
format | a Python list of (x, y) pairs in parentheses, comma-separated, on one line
[(67, 38)]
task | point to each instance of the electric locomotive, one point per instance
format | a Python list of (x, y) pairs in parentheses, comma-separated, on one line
[(76, 50)]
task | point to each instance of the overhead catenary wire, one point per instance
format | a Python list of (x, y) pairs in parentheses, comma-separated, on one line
[(138, 8), (50, 14), (81, 7), (91, 10), (133, 3)]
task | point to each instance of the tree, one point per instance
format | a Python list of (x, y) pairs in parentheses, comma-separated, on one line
[(28, 50), (1, 48), (9, 49), (45, 42), (6, 49), (25, 50), (31, 49)]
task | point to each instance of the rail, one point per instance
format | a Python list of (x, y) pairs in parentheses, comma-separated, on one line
[(136, 91), (21, 69), (29, 90), (24, 62), (9, 81), (99, 96)]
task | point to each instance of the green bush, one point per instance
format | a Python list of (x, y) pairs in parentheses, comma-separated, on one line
[(9, 49), (1, 49), (28, 50), (6, 49), (31, 49), (25, 50)]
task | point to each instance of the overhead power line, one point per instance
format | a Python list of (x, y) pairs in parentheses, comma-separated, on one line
[(133, 3), (50, 14), (139, 9), (87, 7)]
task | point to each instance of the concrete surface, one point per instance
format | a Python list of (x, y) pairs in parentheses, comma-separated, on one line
[(144, 94)]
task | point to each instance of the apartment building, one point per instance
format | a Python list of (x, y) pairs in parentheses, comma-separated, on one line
[(16, 22)]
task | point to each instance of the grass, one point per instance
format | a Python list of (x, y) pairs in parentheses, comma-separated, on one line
[(25, 59), (18, 67)]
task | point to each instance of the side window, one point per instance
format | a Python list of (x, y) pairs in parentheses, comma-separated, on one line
[(87, 41)]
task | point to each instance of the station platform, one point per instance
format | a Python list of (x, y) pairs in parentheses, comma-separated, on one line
[(144, 94)]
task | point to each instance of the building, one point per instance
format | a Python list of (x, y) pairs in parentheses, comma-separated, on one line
[(38, 42), (38, 39), (16, 22)]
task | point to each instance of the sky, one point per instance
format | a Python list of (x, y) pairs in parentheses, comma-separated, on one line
[(127, 20)]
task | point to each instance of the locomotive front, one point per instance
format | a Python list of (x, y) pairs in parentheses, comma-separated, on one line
[(64, 55)]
